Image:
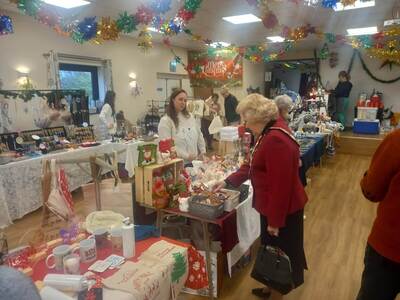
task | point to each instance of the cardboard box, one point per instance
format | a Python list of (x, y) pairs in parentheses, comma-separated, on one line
[(144, 179)]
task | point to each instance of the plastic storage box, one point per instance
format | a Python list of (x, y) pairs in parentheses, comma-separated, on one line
[(366, 127), (367, 113)]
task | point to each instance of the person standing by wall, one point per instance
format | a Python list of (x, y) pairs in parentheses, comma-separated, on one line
[(381, 183), (342, 92), (211, 109), (107, 117), (178, 124), (231, 102)]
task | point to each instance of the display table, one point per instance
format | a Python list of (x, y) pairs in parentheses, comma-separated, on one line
[(40, 270), (310, 154), (20, 181), (247, 227)]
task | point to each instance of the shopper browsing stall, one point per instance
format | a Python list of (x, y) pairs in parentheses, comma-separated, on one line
[(279, 196), (124, 126), (285, 106), (211, 110), (230, 105), (342, 92), (381, 183), (181, 126), (107, 116)]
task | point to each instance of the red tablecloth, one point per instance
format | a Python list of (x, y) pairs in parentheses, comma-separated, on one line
[(40, 269)]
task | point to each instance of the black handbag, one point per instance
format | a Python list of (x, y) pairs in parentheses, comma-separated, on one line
[(273, 269)]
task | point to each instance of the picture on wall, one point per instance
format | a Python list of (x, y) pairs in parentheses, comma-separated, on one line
[(219, 68)]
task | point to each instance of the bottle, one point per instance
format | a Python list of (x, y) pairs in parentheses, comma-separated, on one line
[(66, 282), (128, 240)]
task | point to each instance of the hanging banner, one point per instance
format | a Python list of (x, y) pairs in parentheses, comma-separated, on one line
[(219, 68)]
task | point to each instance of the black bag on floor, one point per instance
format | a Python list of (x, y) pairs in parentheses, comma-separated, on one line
[(273, 269)]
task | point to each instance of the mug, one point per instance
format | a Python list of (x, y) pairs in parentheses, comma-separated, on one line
[(71, 264), (87, 250), (100, 235), (58, 255)]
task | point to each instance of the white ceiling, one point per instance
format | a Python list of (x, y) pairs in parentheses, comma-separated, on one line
[(208, 21)]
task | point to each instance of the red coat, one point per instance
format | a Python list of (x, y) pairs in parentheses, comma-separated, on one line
[(382, 184), (274, 174)]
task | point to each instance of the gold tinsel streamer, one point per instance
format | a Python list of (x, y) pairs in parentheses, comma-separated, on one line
[(392, 32), (107, 30), (145, 40), (348, 2), (391, 55)]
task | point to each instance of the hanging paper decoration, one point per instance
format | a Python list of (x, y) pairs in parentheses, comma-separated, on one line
[(127, 23), (29, 7), (6, 25), (329, 3), (333, 59), (270, 20), (86, 29), (160, 6), (144, 15), (145, 40), (107, 29)]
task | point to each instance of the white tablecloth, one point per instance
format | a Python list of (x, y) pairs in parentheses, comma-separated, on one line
[(20, 182)]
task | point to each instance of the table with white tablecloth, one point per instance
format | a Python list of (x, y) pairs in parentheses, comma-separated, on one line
[(20, 181)]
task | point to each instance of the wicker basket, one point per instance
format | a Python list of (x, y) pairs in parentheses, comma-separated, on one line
[(203, 210)]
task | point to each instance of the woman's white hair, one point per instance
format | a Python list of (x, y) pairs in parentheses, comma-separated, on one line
[(284, 102), (257, 109)]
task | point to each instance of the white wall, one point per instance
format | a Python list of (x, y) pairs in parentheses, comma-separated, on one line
[(361, 80), (31, 40)]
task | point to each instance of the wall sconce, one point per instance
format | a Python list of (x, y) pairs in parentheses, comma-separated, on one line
[(23, 80), (132, 80)]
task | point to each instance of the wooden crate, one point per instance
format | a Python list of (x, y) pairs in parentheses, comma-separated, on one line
[(144, 179)]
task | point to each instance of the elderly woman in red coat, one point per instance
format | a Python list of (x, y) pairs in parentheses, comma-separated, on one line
[(279, 196)]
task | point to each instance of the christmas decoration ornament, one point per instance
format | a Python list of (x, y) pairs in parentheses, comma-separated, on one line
[(108, 29), (160, 6), (29, 7), (333, 59), (185, 15), (145, 40), (144, 15), (127, 23), (48, 18), (324, 52), (6, 25), (86, 29), (270, 20), (192, 5)]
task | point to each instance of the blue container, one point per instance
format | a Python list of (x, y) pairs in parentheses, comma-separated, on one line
[(366, 127)]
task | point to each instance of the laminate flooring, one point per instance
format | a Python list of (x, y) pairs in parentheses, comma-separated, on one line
[(337, 224)]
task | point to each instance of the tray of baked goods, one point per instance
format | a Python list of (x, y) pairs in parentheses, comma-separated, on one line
[(212, 205)]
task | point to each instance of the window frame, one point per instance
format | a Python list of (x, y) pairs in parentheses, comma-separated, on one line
[(93, 70)]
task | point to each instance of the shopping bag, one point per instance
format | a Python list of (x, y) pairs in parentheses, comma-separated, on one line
[(216, 125)]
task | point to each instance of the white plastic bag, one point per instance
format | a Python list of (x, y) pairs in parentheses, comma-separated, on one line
[(215, 126)]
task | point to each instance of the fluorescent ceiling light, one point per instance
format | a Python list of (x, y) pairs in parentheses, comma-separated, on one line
[(242, 19), (362, 31), (356, 5), (220, 44), (276, 39), (67, 3)]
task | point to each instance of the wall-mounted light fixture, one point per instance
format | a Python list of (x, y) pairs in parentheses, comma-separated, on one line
[(23, 81), (132, 80)]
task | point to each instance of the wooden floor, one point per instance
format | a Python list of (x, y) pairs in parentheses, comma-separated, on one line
[(338, 221)]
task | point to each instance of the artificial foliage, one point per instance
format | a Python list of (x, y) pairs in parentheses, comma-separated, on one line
[(127, 23)]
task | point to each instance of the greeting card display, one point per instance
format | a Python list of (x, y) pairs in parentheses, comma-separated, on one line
[(167, 150), (147, 155)]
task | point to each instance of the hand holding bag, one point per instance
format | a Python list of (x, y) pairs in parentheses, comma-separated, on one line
[(273, 268), (215, 126)]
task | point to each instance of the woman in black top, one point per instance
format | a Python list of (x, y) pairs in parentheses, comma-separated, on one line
[(342, 93)]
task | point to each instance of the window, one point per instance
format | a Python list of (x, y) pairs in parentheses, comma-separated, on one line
[(75, 76)]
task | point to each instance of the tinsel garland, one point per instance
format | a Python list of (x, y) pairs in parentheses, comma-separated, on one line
[(364, 66), (27, 95)]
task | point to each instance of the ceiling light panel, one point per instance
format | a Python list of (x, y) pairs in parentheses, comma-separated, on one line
[(362, 31), (67, 3), (242, 19)]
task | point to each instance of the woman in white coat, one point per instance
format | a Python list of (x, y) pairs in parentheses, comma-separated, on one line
[(181, 126), (107, 124)]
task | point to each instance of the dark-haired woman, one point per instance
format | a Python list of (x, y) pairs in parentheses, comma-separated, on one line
[(342, 93), (107, 117), (181, 126)]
